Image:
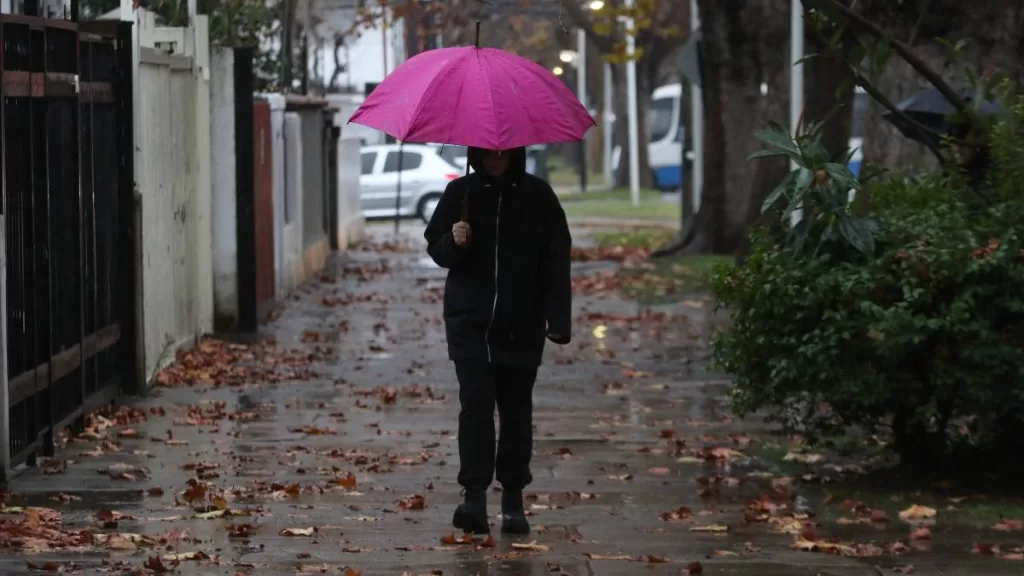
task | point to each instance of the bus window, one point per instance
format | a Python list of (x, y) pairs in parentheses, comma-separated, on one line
[(661, 118)]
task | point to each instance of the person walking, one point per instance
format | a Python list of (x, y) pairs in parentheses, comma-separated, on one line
[(508, 290)]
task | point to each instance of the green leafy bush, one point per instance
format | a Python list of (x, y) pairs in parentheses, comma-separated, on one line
[(924, 332)]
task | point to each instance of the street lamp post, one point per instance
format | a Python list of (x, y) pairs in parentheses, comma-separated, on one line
[(696, 122), (796, 79), (634, 144), (581, 93)]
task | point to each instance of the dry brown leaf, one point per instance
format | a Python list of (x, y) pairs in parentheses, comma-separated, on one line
[(44, 567), (531, 547), (922, 533), (712, 528), (917, 513), (1008, 525)]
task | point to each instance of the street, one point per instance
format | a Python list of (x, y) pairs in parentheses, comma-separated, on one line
[(334, 451)]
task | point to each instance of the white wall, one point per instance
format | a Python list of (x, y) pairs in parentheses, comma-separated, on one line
[(363, 54), (292, 247), (350, 215), (172, 168), (281, 215), (224, 235)]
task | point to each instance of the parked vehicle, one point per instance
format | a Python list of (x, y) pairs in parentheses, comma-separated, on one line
[(424, 176), (668, 134), (455, 155)]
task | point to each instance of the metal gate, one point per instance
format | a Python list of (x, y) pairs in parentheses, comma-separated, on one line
[(65, 121)]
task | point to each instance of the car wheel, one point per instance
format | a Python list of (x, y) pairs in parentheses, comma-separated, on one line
[(427, 206)]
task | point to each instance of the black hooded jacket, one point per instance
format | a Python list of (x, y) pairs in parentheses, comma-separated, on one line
[(509, 287)]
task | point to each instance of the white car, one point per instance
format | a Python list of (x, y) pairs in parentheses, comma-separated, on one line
[(455, 155), (424, 176)]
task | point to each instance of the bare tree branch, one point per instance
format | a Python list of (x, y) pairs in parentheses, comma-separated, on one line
[(905, 52)]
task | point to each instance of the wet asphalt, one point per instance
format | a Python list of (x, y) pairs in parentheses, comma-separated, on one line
[(328, 472)]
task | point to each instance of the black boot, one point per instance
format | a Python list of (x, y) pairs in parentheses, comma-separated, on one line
[(513, 515), (471, 515)]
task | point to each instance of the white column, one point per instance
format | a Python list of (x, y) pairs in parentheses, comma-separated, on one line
[(199, 25), (609, 126), (697, 122), (634, 145), (796, 78)]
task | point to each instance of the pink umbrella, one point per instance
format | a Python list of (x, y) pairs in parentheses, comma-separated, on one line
[(470, 96)]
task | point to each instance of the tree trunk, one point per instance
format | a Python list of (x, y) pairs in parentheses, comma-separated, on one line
[(287, 46), (826, 74), (740, 51)]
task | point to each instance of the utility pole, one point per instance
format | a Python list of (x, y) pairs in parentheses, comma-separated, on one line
[(581, 93), (287, 26), (634, 129), (696, 121), (796, 79)]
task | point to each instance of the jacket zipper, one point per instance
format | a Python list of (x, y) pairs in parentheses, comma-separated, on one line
[(494, 305)]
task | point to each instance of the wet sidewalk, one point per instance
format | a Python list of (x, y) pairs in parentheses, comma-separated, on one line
[(334, 452)]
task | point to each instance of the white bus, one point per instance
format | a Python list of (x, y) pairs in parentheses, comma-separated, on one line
[(665, 151)]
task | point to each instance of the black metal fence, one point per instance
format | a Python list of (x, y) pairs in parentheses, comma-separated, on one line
[(65, 120)]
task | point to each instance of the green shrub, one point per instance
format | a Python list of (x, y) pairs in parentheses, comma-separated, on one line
[(923, 333)]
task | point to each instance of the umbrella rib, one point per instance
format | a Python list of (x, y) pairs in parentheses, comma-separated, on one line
[(494, 113), (526, 111)]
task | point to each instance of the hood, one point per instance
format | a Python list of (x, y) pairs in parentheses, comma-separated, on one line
[(516, 168)]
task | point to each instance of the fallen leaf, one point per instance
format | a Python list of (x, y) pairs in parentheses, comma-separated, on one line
[(184, 556), (155, 564), (412, 502), (660, 471), (693, 568), (45, 567), (532, 547), (922, 533), (346, 481), (724, 554), (488, 543), (298, 531), (681, 513), (917, 513), (1007, 525), (985, 549), (804, 458), (654, 559), (713, 528), (908, 569), (451, 539)]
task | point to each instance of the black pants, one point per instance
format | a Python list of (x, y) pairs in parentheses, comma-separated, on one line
[(481, 386)]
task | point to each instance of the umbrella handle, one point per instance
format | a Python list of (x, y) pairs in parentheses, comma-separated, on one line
[(465, 196)]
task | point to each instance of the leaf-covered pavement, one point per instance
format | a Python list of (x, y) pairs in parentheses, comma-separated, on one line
[(329, 448)]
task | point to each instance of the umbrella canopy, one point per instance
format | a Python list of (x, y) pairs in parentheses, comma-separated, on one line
[(469, 96), (932, 109)]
